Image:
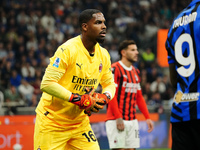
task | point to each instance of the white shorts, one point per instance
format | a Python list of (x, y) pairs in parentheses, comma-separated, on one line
[(129, 138)]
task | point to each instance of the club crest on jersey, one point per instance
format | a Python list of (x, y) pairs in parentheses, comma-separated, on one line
[(100, 67), (56, 62), (115, 141)]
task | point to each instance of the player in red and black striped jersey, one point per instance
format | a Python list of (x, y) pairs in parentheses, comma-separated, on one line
[(121, 111)]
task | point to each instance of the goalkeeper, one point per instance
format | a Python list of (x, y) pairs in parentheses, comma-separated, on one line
[(77, 68)]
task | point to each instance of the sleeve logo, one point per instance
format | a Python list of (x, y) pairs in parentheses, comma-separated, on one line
[(56, 62)]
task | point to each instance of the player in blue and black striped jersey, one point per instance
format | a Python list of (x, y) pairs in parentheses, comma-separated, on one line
[(183, 46)]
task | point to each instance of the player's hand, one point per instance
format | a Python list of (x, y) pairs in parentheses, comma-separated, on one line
[(86, 101), (95, 108), (120, 124), (105, 97), (88, 112), (150, 125)]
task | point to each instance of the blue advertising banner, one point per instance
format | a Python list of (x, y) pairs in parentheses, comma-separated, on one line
[(158, 138)]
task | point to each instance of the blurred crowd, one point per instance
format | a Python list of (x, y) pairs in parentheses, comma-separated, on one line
[(31, 31)]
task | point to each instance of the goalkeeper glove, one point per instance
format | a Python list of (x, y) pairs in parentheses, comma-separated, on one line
[(88, 112), (105, 97), (85, 101), (95, 109), (101, 99)]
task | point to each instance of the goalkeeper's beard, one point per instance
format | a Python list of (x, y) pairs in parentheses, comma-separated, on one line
[(100, 39)]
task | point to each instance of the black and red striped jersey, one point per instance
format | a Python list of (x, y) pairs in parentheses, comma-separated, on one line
[(128, 93)]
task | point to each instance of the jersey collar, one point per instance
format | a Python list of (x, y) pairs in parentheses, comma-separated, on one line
[(125, 67)]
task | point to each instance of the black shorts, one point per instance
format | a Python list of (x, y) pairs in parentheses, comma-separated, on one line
[(186, 135)]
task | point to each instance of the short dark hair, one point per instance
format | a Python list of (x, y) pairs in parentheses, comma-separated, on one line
[(124, 45), (86, 16)]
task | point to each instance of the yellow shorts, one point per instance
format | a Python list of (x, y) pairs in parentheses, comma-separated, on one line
[(48, 137)]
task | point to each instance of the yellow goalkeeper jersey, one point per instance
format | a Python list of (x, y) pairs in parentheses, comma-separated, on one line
[(71, 70)]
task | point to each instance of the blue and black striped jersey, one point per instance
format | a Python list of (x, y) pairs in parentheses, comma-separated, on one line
[(183, 46)]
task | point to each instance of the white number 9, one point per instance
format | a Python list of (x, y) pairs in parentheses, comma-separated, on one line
[(185, 61)]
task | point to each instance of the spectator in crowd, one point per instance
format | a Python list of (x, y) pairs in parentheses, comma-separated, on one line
[(169, 93), (158, 85), (152, 74), (3, 33), (12, 34), (28, 71), (11, 58), (39, 73), (41, 33), (143, 74), (3, 52), (156, 101), (148, 57), (6, 73), (48, 21), (66, 26), (26, 90), (147, 92), (15, 78), (122, 125), (22, 16), (21, 52), (34, 101), (113, 53), (56, 35), (37, 91), (12, 95), (32, 43)]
